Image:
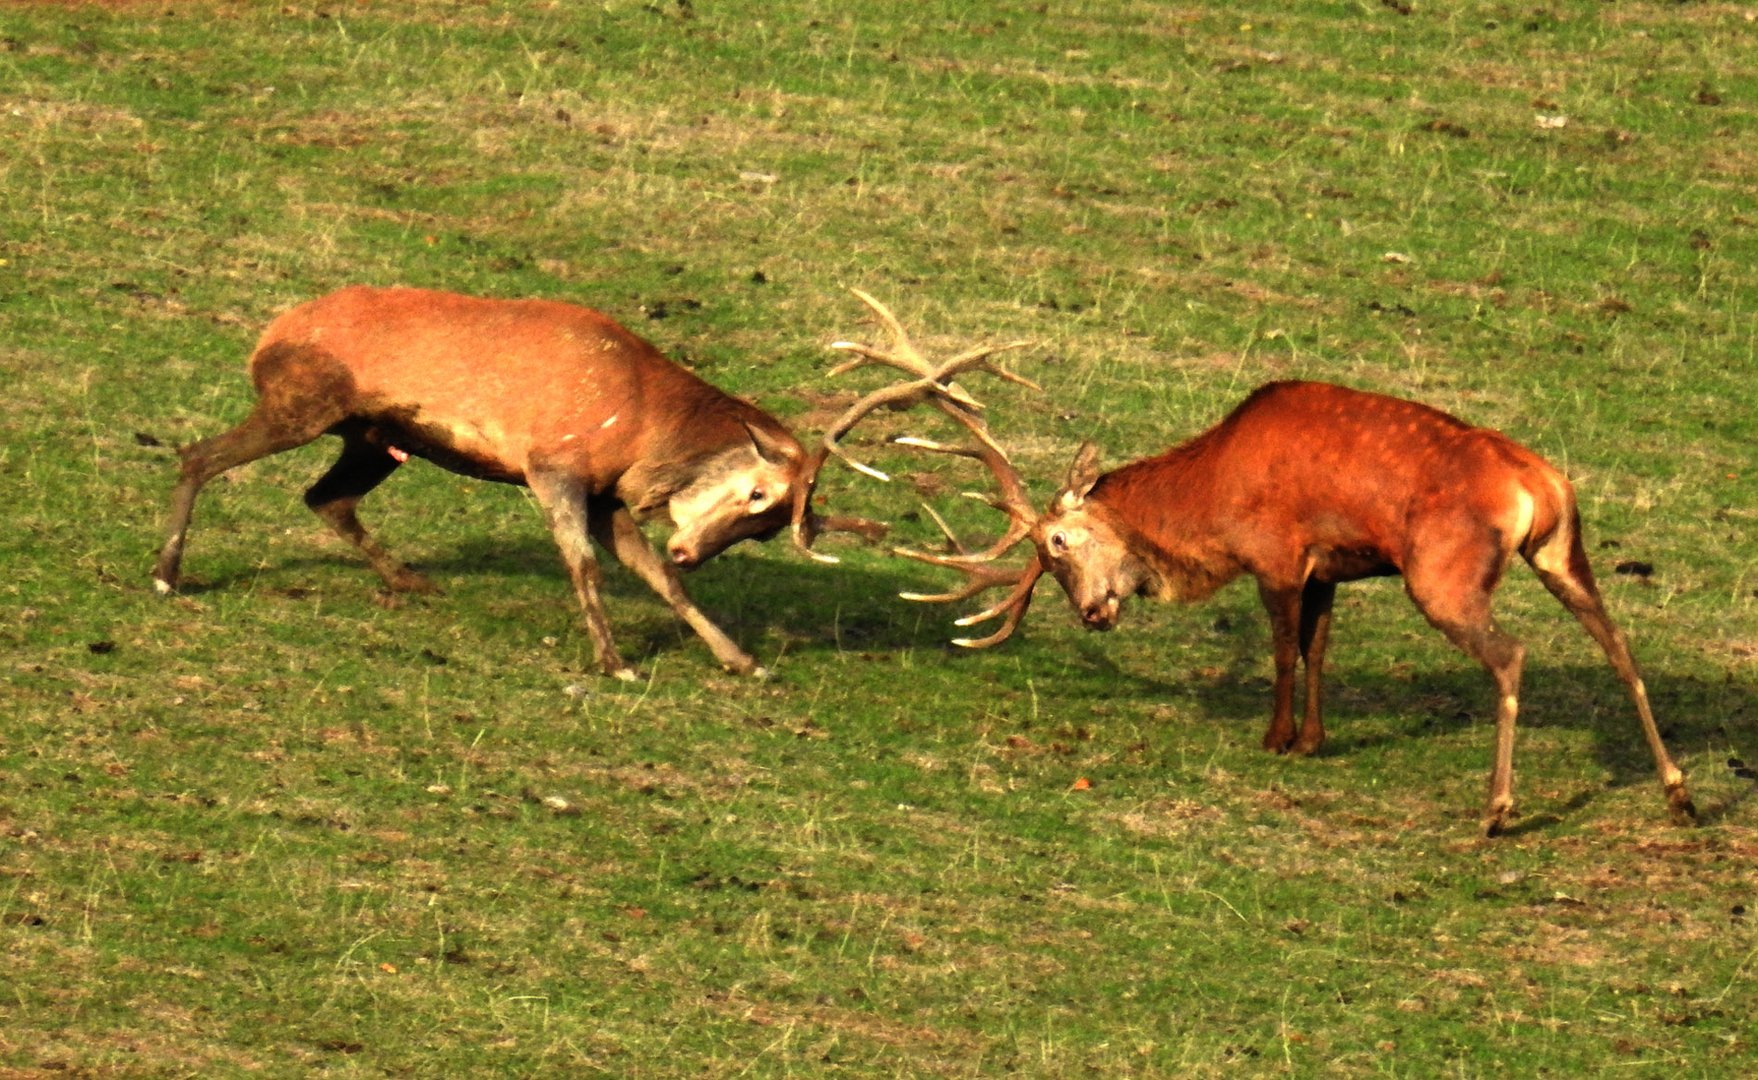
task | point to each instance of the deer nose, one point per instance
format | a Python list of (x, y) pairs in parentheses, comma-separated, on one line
[(1100, 614), (681, 557)]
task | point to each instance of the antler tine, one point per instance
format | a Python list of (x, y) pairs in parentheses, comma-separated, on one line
[(932, 380), (909, 359), (964, 560), (1013, 607), (1013, 497), (1017, 530), (1012, 500), (900, 395), (975, 568), (946, 530), (867, 354), (939, 377), (933, 383), (980, 576), (900, 339), (971, 423), (806, 523), (977, 359)]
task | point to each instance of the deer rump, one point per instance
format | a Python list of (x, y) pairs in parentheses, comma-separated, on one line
[(603, 428)]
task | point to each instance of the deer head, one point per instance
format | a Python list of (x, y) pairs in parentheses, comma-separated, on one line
[(1090, 551), (1079, 542), (748, 491)]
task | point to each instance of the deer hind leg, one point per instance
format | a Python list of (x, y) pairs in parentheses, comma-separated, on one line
[(1452, 587), (285, 416), (564, 501), (1563, 567), (1315, 634), (618, 533), (360, 468)]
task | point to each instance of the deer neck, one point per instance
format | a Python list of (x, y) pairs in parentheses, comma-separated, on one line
[(1167, 510)]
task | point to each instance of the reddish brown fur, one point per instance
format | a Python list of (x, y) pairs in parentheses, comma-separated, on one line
[(518, 384), (1281, 480), (602, 427), (1307, 485)]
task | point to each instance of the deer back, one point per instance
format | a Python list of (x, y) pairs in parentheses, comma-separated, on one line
[(1301, 479)]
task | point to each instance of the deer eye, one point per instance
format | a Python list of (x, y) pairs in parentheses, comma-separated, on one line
[(757, 495), (1058, 543)]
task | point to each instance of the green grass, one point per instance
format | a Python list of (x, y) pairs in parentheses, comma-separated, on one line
[(281, 824)]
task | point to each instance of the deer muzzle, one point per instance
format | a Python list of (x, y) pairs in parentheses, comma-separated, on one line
[(1100, 614), (682, 556)]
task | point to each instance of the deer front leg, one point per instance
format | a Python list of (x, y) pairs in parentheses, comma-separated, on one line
[(563, 498), (1504, 658), (619, 533), (1283, 605), (1315, 634)]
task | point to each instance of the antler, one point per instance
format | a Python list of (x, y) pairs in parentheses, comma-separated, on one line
[(932, 383), (808, 524), (979, 575), (976, 565)]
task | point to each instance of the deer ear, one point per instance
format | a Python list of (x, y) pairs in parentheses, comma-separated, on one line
[(769, 448), (1082, 475)]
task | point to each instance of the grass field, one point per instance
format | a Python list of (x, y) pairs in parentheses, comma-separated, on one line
[(286, 824)]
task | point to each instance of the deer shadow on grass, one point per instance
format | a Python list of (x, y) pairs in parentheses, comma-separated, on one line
[(781, 601), (757, 595), (1708, 723), (1704, 722)]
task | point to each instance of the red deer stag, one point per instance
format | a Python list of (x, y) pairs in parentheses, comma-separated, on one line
[(1303, 486), (603, 429)]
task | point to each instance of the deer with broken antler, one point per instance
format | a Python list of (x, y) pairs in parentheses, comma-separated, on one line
[(603, 429), (1304, 486)]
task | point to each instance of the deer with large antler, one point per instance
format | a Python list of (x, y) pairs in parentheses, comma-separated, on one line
[(1305, 486), (604, 430)]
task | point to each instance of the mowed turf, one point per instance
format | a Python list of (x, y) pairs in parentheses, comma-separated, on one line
[(286, 824)]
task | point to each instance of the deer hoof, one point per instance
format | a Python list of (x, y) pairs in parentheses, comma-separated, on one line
[(743, 665), (1495, 819), (626, 674), (163, 587)]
